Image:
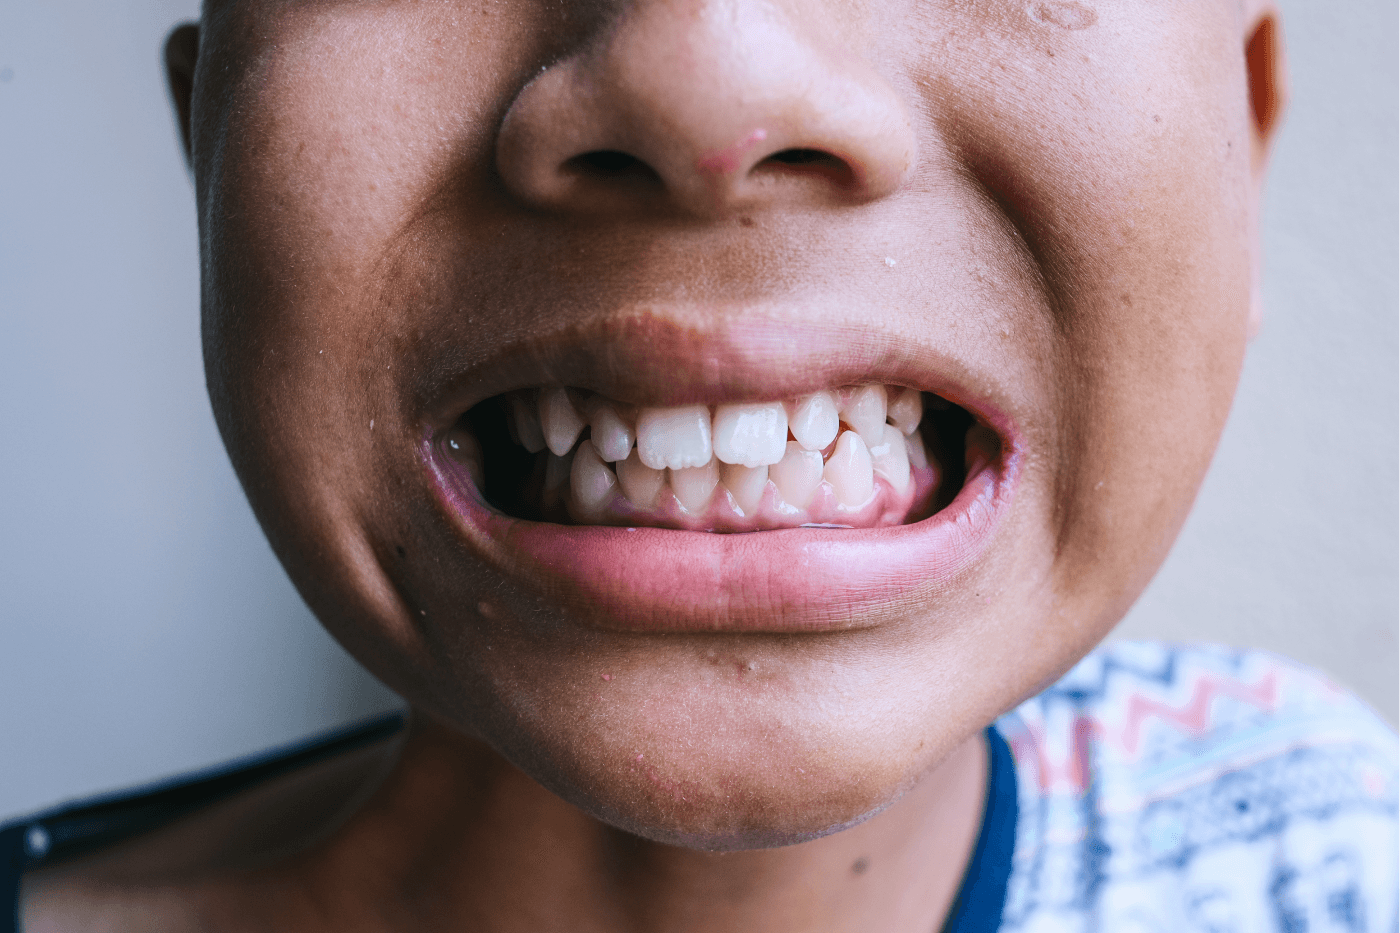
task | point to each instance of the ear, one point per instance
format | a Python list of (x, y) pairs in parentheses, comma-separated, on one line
[(1268, 93), (1268, 77), (181, 53)]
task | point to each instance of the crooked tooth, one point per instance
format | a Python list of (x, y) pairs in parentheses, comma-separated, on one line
[(865, 413), (590, 481), (890, 459), (463, 447), (918, 454), (906, 410), (556, 477), (694, 486), (527, 425), (797, 475), (815, 420), (559, 421), (745, 484), (611, 435), (751, 435), (674, 438), (849, 471), (640, 483)]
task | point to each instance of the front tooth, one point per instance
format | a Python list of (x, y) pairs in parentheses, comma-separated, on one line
[(865, 413), (746, 484), (590, 481), (907, 410), (640, 483), (674, 438), (890, 459), (751, 435), (694, 486), (559, 420), (849, 471), (815, 420), (797, 475), (611, 435)]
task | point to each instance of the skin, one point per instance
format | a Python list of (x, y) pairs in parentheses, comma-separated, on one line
[(1071, 193)]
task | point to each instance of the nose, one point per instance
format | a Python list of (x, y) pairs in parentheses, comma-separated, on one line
[(706, 107)]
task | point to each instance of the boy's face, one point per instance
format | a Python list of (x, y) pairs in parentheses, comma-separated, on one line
[(1039, 212)]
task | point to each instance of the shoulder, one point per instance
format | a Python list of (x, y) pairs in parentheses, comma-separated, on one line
[(134, 852), (1173, 787)]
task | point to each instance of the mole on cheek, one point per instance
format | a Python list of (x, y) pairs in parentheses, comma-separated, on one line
[(1063, 13)]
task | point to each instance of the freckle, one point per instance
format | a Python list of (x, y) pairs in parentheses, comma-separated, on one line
[(861, 866), (746, 221), (1066, 14)]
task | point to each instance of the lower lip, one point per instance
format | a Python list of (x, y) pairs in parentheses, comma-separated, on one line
[(796, 580)]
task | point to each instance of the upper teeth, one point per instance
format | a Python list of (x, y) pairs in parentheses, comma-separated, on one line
[(743, 446)]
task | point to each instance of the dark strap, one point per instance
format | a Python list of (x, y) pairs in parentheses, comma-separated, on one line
[(982, 894), (73, 830)]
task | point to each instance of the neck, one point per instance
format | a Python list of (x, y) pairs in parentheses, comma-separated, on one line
[(460, 838)]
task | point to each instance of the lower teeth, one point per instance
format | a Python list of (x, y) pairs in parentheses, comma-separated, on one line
[(565, 456)]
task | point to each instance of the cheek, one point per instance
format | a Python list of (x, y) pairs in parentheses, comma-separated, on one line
[(1119, 154)]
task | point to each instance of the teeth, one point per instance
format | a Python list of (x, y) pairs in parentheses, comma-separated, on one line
[(611, 435), (559, 420), (751, 435), (674, 438), (556, 477), (590, 481), (797, 475), (692, 450), (907, 410), (849, 471), (640, 483), (890, 459), (745, 484), (918, 455), (694, 486), (527, 426), (865, 413), (815, 420)]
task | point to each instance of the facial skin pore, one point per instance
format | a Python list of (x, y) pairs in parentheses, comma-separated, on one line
[(1042, 211)]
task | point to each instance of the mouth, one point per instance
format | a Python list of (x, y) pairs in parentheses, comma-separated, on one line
[(851, 457), (827, 509)]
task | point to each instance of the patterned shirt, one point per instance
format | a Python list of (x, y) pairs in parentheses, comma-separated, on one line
[(1177, 789)]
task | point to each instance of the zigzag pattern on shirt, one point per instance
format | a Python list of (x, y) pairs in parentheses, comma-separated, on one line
[(1072, 771), (1194, 716)]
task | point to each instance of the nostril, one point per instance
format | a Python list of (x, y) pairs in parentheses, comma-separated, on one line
[(607, 164), (810, 162)]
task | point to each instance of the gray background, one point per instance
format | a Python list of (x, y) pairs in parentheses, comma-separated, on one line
[(147, 628)]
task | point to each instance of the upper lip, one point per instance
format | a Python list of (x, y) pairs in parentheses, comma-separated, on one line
[(650, 357)]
